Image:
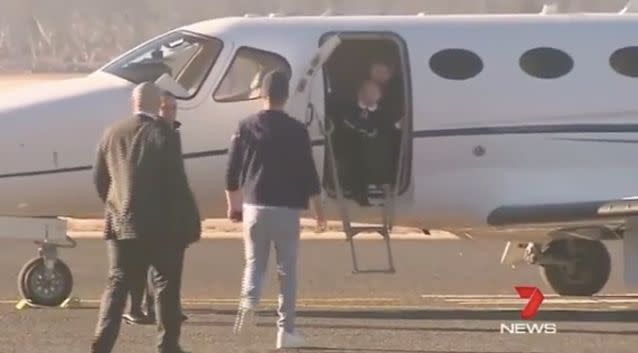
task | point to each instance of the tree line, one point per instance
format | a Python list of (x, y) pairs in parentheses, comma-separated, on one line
[(81, 35)]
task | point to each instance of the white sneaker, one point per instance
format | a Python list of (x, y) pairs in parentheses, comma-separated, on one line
[(290, 340)]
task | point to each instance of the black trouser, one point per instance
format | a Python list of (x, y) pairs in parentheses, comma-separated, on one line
[(127, 259), (380, 159), (351, 164), (148, 295), (140, 291)]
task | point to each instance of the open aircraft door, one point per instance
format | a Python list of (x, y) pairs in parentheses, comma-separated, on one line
[(300, 104), (306, 101)]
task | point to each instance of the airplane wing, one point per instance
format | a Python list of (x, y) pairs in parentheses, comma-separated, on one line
[(564, 212)]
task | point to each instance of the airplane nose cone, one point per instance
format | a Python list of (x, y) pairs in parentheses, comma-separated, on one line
[(95, 88), (57, 119)]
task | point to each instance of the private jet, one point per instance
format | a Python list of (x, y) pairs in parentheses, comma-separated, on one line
[(518, 127)]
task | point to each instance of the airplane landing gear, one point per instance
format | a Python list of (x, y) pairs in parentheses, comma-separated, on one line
[(46, 280), (572, 266)]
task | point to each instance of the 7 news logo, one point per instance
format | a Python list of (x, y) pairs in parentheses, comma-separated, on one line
[(535, 299)]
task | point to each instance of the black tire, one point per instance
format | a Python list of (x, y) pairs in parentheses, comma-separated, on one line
[(40, 287), (592, 267)]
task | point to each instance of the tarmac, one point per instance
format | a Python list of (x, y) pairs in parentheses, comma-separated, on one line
[(447, 296)]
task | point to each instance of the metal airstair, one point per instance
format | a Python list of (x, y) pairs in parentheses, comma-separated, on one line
[(387, 208)]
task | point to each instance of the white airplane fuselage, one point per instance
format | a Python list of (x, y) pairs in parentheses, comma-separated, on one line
[(480, 146)]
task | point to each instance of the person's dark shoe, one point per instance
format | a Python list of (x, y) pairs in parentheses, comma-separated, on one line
[(137, 319), (151, 318), (362, 200), (177, 350)]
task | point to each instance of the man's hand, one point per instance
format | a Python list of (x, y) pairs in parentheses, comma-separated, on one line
[(322, 224), (234, 208), (320, 216), (234, 215)]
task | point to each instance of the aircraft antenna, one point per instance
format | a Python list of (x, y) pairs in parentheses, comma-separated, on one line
[(422, 14), (329, 12), (549, 9), (252, 15), (629, 8)]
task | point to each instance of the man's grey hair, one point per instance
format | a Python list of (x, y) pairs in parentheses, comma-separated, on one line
[(146, 97)]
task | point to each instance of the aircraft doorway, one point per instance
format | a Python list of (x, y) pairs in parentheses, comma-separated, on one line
[(369, 136)]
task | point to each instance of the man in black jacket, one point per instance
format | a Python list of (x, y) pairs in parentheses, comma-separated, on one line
[(189, 218), (139, 175), (271, 172)]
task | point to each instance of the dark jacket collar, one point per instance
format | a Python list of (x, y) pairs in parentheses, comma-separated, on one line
[(148, 117), (175, 126), (145, 116)]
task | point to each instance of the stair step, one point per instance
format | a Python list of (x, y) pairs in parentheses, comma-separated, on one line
[(367, 228), (358, 230)]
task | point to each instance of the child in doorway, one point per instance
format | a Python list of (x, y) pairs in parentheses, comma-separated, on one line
[(366, 161)]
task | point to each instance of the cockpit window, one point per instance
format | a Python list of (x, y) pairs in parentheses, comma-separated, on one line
[(243, 79), (180, 60)]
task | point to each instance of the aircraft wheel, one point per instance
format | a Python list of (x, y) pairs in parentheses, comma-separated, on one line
[(43, 286), (587, 269)]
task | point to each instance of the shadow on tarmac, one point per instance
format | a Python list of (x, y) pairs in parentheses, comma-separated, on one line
[(624, 316), (372, 350), (438, 315)]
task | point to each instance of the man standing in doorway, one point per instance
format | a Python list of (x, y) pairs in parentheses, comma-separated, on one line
[(271, 161), (392, 109)]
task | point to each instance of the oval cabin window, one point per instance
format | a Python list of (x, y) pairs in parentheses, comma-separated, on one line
[(456, 64), (625, 61), (546, 63)]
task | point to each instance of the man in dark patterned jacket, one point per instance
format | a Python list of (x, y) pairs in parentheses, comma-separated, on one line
[(139, 175)]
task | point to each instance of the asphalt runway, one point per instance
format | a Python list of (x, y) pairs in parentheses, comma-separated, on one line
[(448, 296)]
